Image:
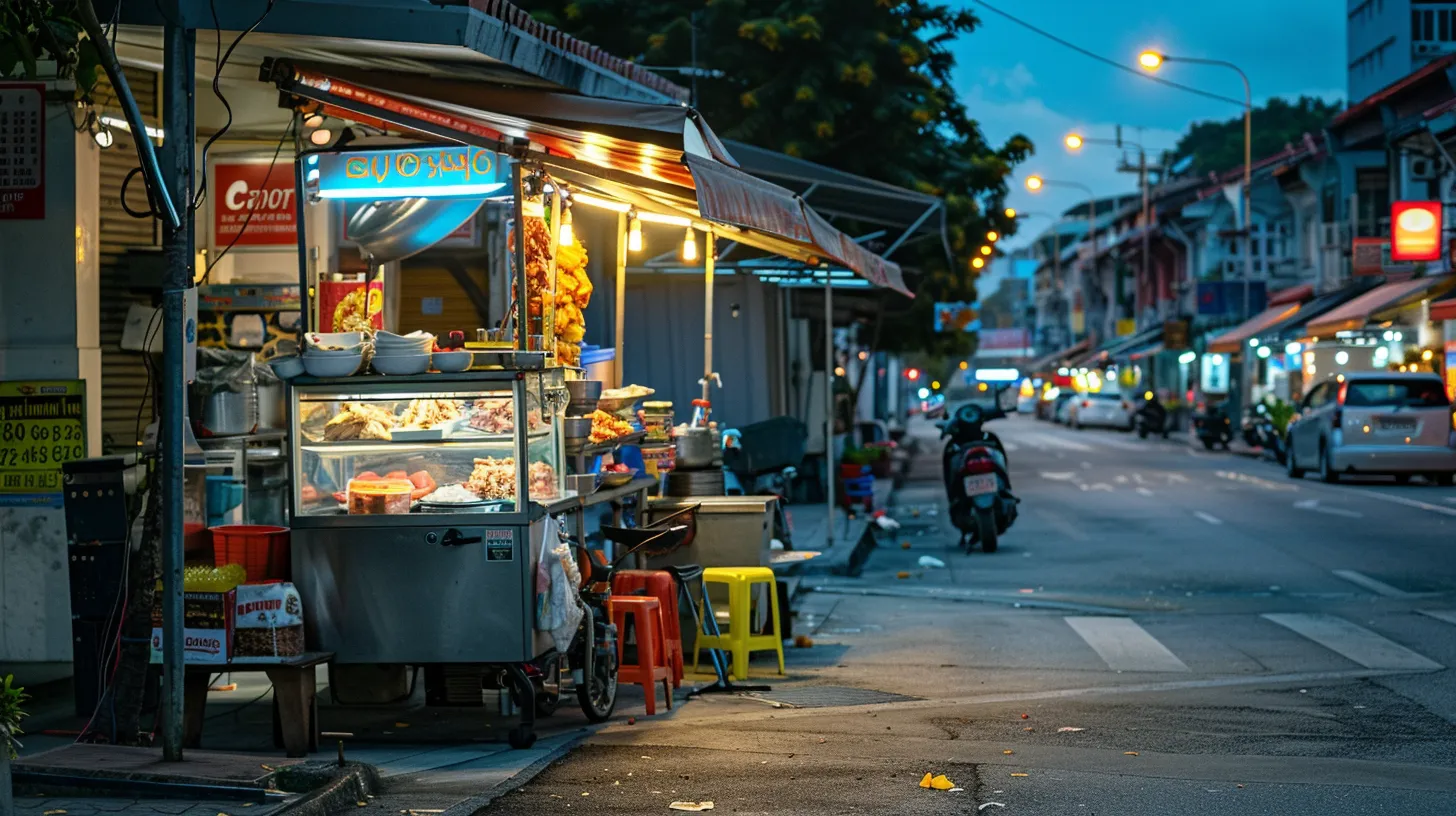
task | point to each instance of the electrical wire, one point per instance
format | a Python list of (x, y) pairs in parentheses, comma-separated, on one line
[(257, 202), (1114, 63), (220, 61)]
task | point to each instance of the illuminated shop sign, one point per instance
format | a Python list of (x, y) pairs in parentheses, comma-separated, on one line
[(436, 172)]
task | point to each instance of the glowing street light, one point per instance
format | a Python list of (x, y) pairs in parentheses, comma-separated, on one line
[(1034, 183), (1073, 141), (1010, 212), (993, 236), (1150, 60), (977, 262), (985, 250)]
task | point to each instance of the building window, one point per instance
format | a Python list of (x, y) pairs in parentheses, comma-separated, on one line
[(1416, 26), (1443, 17)]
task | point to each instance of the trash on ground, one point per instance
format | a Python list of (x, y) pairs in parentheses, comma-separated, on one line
[(931, 562), (936, 782), (1068, 729), (59, 812), (1008, 752), (803, 642), (904, 545), (887, 523), (1018, 774), (691, 807), (990, 804), (902, 574), (1025, 716), (1028, 728), (1129, 753)]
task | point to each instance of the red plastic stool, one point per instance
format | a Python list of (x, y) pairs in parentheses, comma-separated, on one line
[(660, 585), (650, 666)]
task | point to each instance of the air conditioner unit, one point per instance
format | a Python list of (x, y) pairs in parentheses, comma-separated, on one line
[(1424, 169)]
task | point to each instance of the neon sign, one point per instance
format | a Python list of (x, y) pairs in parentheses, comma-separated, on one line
[(436, 172)]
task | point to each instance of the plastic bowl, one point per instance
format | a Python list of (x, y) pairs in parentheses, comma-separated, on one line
[(332, 365), (401, 364), (453, 361), (287, 367)]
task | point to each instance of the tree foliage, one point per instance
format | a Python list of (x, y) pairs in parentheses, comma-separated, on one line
[(863, 86), (1219, 146), (36, 30)]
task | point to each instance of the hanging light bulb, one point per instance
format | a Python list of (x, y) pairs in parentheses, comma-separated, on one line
[(567, 236), (320, 137), (104, 137), (313, 120), (634, 233), (690, 246)]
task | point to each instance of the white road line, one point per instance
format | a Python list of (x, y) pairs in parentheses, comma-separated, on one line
[(1378, 587), (1143, 491), (1125, 646), (1214, 520), (1447, 615), (1314, 505), (1434, 508), (1011, 447), (1354, 643)]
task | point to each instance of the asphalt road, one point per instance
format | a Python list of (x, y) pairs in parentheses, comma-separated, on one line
[(1164, 631)]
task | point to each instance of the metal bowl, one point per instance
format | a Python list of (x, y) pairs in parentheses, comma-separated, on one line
[(584, 390), (576, 428)]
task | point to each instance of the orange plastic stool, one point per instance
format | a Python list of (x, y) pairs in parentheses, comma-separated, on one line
[(651, 651), (660, 585)]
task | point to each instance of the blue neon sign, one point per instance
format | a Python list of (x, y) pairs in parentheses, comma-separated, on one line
[(414, 172)]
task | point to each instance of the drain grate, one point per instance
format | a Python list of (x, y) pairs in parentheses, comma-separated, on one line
[(828, 697)]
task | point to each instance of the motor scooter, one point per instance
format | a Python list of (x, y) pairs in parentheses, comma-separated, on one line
[(1151, 417), (977, 483), (1212, 427)]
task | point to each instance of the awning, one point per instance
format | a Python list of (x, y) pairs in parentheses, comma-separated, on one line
[(1231, 341), (1443, 309), (1050, 361), (1380, 303), (1292, 327), (1147, 351), (653, 156), (1130, 347)]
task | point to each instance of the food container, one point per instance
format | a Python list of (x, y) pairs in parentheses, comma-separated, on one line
[(287, 366), (694, 448), (379, 497), (585, 390), (324, 366), (659, 460), (576, 427), (402, 363), (583, 484), (452, 361), (229, 413), (657, 421)]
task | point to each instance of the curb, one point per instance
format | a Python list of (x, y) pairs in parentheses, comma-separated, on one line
[(336, 792), (477, 804)]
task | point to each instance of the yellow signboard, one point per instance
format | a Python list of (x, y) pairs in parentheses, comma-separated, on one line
[(42, 427), (1126, 326)]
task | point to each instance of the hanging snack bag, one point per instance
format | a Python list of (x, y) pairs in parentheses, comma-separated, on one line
[(268, 623)]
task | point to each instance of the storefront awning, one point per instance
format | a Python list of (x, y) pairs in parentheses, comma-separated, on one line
[(666, 155), (1443, 309), (1130, 348), (1380, 303), (1231, 341), (1053, 361), (1292, 327)]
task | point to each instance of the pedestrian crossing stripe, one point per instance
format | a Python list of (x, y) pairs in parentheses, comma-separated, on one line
[(1355, 643)]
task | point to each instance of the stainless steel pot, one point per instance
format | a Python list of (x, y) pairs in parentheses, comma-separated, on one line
[(270, 406), (229, 413), (694, 448)]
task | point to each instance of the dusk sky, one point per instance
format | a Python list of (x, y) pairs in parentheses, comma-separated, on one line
[(1014, 80)]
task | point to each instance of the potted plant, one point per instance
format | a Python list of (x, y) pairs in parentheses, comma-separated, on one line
[(11, 713), (856, 462)]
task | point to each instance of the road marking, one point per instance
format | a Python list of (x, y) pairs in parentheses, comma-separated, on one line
[(1314, 504), (1114, 442), (1214, 520), (1101, 487), (1143, 491), (1447, 615), (1236, 476), (1354, 643), (1058, 476), (1434, 508), (1120, 479), (1125, 646), (1011, 447), (1378, 587)]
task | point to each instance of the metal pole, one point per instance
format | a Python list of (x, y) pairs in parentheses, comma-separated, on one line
[(1057, 292), (620, 302), (1147, 225), (178, 124), (1092, 230), (1248, 194), (709, 250), (522, 318), (829, 472)]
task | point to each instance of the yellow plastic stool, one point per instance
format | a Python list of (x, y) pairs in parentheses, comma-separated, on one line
[(739, 639)]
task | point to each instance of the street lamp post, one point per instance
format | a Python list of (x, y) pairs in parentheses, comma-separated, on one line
[(1057, 288), (1036, 183), (1075, 141), (1152, 61)]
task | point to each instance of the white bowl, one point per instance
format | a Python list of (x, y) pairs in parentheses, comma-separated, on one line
[(332, 365), (384, 338), (314, 351), (400, 364), (340, 339), (453, 361), (287, 367)]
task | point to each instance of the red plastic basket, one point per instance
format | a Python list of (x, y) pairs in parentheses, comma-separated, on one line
[(261, 550)]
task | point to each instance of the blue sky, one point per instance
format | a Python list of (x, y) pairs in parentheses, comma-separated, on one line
[(1013, 80)]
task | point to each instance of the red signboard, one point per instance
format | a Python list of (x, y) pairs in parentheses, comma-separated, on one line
[(22, 150), (1367, 256), (1415, 231), (252, 203)]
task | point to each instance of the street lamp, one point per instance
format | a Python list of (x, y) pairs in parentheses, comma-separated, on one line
[(1010, 212), (1075, 141), (1152, 60), (993, 236)]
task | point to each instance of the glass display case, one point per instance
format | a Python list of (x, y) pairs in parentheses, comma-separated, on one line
[(416, 447)]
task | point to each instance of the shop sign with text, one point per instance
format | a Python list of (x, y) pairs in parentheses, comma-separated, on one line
[(253, 204), (22, 151), (42, 427), (435, 172), (1415, 231)]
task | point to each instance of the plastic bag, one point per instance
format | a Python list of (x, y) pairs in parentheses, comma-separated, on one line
[(558, 606)]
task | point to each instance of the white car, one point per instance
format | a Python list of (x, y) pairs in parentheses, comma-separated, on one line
[(1375, 423), (1100, 410)]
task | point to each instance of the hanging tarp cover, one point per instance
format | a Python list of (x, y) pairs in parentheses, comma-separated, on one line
[(659, 147)]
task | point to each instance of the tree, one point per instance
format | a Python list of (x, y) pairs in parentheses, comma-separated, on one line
[(1219, 146), (863, 86)]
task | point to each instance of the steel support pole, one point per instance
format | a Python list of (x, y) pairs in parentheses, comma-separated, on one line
[(620, 301), (522, 317), (1147, 224), (178, 125), (709, 250), (829, 471)]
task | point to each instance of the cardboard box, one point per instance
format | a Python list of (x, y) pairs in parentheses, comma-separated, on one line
[(207, 631)]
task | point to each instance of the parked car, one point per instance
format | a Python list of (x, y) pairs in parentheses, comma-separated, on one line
[(1101, 409), (1377, 423), (1063, 413), (1051, 409), (1026, 404)]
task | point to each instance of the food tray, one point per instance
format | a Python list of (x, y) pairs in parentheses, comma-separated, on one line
[(617, 479), (574, 446)]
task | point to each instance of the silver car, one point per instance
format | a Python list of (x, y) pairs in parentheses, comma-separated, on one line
[(1102, 409), (1377, 423)]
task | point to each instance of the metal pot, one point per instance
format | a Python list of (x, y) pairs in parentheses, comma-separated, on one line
[(229, 413), (575, 428), (694, 448), (270, 406)]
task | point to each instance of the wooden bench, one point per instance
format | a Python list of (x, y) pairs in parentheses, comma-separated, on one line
[(295, 705)]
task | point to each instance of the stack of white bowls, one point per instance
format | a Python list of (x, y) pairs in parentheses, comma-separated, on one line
[(340, 354), (402, 353)]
